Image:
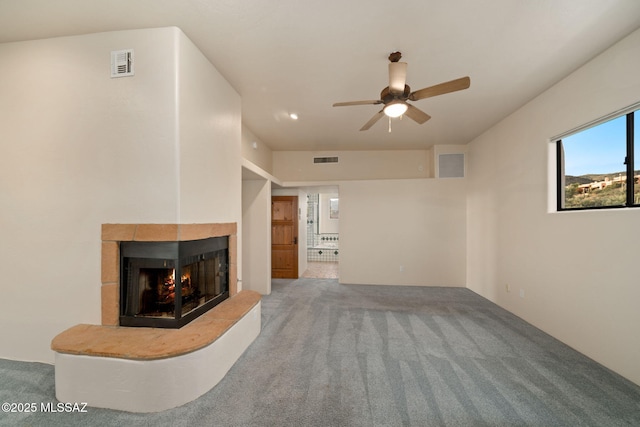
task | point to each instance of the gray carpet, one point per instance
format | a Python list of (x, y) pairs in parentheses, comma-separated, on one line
[(335, 355)]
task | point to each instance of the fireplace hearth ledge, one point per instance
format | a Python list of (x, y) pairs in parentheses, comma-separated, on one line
[(153, 369)]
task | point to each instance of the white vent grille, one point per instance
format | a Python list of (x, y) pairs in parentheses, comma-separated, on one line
[(325, 160), (122, 63), (451, 165)]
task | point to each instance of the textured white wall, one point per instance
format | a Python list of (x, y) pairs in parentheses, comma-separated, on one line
[(209, 142), (577, 270), (256, 228), (298, 165), (261, 155), (418, 224)]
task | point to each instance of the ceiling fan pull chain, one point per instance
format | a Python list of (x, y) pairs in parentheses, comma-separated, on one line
[(389, 124)]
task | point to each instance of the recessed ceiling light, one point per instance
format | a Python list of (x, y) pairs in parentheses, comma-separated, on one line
[(293, 116)]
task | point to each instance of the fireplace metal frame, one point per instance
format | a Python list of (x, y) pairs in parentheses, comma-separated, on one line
[(173, 254)]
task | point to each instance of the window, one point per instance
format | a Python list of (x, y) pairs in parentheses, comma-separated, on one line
[(596, 165)]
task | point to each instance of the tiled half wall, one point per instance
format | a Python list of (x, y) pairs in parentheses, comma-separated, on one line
[(113, 234)]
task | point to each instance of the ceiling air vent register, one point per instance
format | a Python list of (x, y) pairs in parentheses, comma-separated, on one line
[(325, 160), (122, 63)]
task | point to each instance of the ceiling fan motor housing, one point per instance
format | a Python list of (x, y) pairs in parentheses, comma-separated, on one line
[(386, 96)]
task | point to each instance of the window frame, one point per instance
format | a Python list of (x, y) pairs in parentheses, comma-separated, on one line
[(628, 161)]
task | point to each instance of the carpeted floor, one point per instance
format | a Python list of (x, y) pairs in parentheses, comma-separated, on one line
[(336, 355)]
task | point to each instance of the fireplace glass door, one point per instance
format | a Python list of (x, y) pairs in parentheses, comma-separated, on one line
[(168, 284), (202, 281)]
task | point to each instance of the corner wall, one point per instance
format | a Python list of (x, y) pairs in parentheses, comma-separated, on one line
[(84, 150), (256, 228), (209, 132), (255, 151), (572, 274)]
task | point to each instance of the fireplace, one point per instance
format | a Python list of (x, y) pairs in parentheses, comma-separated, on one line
[(168, 284)]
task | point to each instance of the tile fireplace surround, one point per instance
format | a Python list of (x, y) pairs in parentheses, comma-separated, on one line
[(113, 234)]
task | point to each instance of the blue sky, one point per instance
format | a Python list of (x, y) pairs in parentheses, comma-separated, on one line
[(600, 149)]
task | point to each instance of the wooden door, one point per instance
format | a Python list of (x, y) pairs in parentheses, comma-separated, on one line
[(284, 237)]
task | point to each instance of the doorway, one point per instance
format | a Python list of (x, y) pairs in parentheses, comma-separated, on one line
[(323, 213)]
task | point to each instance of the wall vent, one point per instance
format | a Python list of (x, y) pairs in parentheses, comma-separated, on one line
[(451, 165), (325, 160), (122, 63)]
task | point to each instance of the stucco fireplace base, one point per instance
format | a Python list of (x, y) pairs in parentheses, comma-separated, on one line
[(141, 369), (151, 369)]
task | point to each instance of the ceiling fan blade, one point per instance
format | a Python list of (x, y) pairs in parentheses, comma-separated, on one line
[(397, 76), (373, 120), (345, 104), (416, 114), (441, 89)]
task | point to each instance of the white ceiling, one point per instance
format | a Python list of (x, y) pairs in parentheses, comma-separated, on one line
[(301, 56)]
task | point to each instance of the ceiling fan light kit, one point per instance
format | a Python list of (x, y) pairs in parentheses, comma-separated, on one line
[(395, 96), (395, 109)]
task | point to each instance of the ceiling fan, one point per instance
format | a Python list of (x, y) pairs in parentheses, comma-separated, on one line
[(395, 97)]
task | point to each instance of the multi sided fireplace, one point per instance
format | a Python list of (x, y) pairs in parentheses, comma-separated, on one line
[(168, 284)]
